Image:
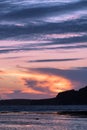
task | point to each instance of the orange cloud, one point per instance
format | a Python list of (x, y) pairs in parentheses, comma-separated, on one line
[(2, 72), (5, 90), (46, 83), (33, 83)]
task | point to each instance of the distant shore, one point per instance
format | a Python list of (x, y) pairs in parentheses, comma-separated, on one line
[(70, 97), (59, 109)]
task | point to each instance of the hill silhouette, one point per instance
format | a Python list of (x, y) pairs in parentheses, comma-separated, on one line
[(73, 97), (70, 97)]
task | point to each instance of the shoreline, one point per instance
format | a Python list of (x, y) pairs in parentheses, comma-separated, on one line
[(61, 109)]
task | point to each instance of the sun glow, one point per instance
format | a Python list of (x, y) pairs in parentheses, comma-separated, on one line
[(34, 82)]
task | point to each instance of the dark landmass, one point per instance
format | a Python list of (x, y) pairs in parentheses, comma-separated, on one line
[(70, 97), (74, 113)]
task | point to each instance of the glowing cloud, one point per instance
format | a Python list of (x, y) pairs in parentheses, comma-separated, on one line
[(34, 82)]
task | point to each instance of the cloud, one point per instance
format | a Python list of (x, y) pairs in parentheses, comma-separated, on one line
[(19, 21), (72, 47), (17, 94), (14, 31), (42, 83), (45, 81), (77, 75), (55, 60), (37, 85), (42, 47), (40, 27), (10, 58), (39, 10), (2, 72), (41, 21)]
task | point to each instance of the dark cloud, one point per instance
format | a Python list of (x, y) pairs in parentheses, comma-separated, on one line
[(75, 74), (55, 60), (2, 72), (10, 58), (14, 31), (36, 85), (82, 68), (21, 22), (66, 47), (18, 48), (78, 39), (72, 47), (39, 10), (17, 94), (41, 47)]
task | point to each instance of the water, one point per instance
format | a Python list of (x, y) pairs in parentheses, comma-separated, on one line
[(42, 119)]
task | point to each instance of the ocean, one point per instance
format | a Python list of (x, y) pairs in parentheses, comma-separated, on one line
[(43, 118)]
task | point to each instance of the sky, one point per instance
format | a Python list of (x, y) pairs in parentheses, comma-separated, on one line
[(43, 47)]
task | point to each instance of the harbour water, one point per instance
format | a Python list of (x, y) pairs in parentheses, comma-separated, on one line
[(47, 118)]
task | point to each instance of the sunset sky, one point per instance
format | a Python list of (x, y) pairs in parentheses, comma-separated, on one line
[(43, 47)]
